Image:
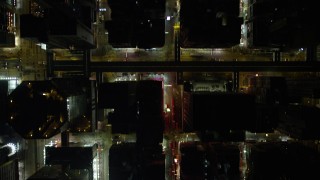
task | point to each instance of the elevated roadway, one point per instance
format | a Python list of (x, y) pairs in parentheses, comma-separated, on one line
[(186, 66)]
